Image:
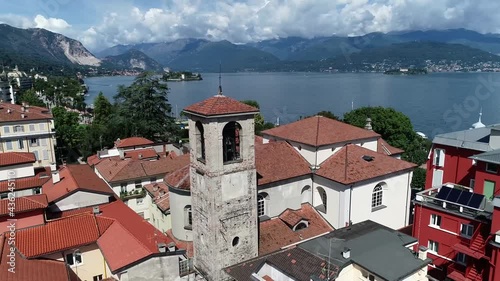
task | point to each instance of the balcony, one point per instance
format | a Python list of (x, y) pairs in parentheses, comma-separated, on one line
[(456, 272), (124, 195), (474, 246)]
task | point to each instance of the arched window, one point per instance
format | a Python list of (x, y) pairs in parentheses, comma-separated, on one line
[(377, 196), (301, 225), (188, 217), (306, 194), (200, 141), (261, 204), (231, 142), (322, 196)]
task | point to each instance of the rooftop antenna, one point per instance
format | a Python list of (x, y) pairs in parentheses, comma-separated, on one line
[(220, 78)]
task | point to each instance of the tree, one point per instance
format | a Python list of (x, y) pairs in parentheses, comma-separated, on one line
[(260, 123), (68, 132), (328, 114), (103, 109), (395, 128), (418, 180), (145, 109), (30, 97)]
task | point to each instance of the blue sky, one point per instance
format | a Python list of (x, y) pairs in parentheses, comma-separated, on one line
[(103, 23)]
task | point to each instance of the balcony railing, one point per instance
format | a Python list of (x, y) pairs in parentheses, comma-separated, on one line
[(124, 195)]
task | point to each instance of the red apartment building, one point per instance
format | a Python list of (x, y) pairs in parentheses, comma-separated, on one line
[(457, 216)]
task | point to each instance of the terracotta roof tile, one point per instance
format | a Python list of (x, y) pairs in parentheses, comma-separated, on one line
[(16, 158), (385, 148), (267, 278), (318, 131), (291, 217), (279, 161), (115, 170), (159, 193), (29, 270), (31, 113), (179, 179), (145, 153), (294, 262), (93, 160), (132, 141), (220, 105), (359, 169), (275, 234), (57, 236), (74, 178), (42, 175), (24, 204)]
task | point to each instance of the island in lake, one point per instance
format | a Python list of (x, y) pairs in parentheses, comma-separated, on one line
[(182, 76), (406, 71)]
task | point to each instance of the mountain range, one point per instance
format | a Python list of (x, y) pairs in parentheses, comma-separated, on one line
[(35, 47)]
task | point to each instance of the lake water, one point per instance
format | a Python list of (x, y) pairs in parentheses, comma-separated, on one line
[(435, 103)]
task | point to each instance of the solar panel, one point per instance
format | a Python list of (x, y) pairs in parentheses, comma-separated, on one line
[(464, 198), (475, 201), (443, 193), (454, 195)]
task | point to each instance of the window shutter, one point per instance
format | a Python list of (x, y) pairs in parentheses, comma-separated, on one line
[(441, 158)]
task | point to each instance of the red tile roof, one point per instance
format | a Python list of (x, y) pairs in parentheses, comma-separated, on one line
[(160, 195), (132, 141), (220, 105), (93, 160), (385, 148), (75, 178), (122, 235), (277, 161), (42, 175), (57, 236), (23, 204), (29, 270), (275, 234), (145, 153), (179, 179), (114, 169), (358, 169), (319, 131), (16, 158), (31, 113)]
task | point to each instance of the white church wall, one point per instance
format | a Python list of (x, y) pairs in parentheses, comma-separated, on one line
[(285, 194)]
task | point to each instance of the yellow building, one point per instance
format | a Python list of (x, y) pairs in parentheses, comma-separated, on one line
[(25, 128)]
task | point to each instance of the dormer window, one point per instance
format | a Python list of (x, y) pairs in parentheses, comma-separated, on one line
[(200, 141), (491, 168), (301, 225), (231, 142)]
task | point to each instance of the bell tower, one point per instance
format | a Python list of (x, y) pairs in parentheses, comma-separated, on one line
[(223, 184)]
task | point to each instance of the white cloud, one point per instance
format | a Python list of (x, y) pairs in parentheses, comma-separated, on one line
[(242, 21), (16, 20)]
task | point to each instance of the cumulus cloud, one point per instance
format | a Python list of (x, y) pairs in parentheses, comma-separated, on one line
[(243, 21)]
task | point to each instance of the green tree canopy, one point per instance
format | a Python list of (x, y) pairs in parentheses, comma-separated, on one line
[(260, 123), (102, 109), (69, 133), (327, 114), (144, 108), (30, 97)]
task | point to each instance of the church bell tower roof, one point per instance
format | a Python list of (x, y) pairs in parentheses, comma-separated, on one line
[(220, 105)]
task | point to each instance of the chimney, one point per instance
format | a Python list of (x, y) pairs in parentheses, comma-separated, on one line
[(368, 125), (22, 115), (23, 108), (346, 253), (162, 247), (140, 156), (9, 111), (422, 252), (55, 173), (122, 154), (95, 210)]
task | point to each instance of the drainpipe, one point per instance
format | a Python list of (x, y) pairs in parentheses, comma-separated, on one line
[(407, 219), (350, 204)]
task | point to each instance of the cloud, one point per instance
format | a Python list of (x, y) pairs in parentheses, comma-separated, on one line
[(243, 21), (16, 20)]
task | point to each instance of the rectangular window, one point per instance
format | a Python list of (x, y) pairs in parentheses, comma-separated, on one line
[(33, 142), (45, 155), (32, 127), (37, 190), (123, 187), (20, 143), (462, 258), (74, 258), (472, 183), (36, 155), (97, 277), (43, 142), (438, 157), (491, 168), (489, 189), (8, 144), (466, 230), (42, 126), (6, 129), (18, 129), (140, 201), (435, 220), (433, 246)]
